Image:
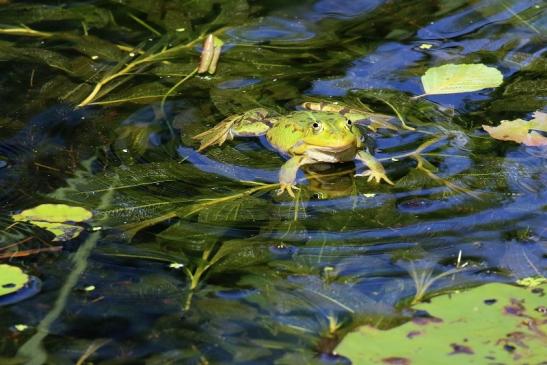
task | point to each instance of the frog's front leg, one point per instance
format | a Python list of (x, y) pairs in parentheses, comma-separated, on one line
[(287, 174), (376, 170), (249, 124)]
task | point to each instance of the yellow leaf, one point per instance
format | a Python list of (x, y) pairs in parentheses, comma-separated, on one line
[(521, 131), (462, 78), (56, 213), (55, 218), (12, 279)]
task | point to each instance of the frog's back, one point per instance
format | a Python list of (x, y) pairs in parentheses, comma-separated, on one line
[(289, 130)]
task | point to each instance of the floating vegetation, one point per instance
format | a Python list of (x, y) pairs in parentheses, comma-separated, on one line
[(154, 249), (495, 321), (462, 78)]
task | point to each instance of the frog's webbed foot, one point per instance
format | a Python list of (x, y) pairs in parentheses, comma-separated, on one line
[(288, 187), (376, 171), (287, 174), (218, 134), (251, 123), (377, 176)]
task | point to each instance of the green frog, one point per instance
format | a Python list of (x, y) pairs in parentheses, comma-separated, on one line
[(320, 132)]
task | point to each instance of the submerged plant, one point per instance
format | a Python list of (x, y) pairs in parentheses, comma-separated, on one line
[(423, 278)]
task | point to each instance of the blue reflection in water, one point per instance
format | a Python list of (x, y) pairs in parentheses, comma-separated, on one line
[(474, 17), (342, 8), (272, 29), (521, 208), (30, 289), (230, 171), (375, 71)]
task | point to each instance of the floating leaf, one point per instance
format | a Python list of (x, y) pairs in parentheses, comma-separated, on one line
[(452, 79), (62, 232), (521, 131), (498, 322), (532, 282), (54, 218), (54, 213), (12, 279)]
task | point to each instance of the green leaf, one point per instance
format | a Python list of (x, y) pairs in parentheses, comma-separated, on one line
[(246, 208), (494, 323), (55, 213), (62, 232), (54, 218), (452, 79), (521, 131), (532, 282), (12, 279)]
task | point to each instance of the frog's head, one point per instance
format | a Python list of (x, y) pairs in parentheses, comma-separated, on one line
[(330, 132)]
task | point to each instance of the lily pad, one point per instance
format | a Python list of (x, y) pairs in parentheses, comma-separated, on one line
[(494, 323), (12, 279), (55, 218), (462, 78), (521, 131)]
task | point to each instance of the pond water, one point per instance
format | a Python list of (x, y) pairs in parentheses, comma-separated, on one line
[(191, 257)]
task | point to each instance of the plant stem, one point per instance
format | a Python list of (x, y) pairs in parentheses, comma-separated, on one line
[(164, 53)]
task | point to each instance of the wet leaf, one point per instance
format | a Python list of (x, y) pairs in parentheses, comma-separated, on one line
[(62, 232), (12, 279), (462, 78), (497, 322), (532, 282), (55, 218), (521, 131), (54, 213)]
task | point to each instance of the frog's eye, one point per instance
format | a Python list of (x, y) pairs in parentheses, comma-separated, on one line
[(316, 126)]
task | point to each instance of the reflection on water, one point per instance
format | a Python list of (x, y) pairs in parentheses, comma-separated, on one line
[(272, 277)]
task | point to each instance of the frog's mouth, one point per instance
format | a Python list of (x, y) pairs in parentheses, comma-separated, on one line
[(333, 149)]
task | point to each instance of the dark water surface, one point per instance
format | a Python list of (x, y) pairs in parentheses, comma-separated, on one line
[(275, 280)]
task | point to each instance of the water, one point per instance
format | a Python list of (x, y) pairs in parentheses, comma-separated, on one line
[(268, 274)]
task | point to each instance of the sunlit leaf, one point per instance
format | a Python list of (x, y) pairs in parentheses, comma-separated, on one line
[(532, 282), (521, 131), (62, 232), (54, 213), (498, 322), (12, 279), (54, 218), (461, 78)]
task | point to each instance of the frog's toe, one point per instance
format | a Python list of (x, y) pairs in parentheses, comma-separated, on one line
[(377, 176), (288, 188)]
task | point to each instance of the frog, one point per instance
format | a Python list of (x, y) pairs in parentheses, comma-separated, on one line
[(317, 132)]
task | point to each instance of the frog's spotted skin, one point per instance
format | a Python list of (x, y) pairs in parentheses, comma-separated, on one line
[(323, 133)]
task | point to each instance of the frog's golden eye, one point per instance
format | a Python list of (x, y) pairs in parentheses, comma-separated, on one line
[(316, 126)]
